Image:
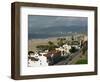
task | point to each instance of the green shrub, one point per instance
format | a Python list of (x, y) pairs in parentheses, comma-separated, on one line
[(82, 61)]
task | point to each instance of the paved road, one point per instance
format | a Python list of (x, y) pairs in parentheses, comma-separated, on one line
[(71, 59)]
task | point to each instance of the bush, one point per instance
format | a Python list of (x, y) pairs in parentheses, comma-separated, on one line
[(82, 61), (42, 47), (73, 50)]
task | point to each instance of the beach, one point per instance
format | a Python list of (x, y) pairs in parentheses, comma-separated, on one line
[(35, 42)]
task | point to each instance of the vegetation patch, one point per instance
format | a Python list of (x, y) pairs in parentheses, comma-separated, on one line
[(82, 61)]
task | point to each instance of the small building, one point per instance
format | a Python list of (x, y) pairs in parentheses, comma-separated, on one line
[(64, 49), (53, 56), (37, 59)]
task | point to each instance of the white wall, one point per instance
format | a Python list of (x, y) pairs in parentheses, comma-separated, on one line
[(5, 38)]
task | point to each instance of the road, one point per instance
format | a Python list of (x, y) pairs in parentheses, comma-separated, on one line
[(71, 59)]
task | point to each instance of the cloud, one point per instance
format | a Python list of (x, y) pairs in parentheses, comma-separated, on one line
[(36, 23)]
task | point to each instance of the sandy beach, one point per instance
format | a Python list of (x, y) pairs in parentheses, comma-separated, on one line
[(35, 42)]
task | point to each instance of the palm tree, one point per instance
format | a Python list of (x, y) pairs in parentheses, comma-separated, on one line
[(72, 42)]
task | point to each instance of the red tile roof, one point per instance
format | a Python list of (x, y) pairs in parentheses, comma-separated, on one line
[(54, 52)]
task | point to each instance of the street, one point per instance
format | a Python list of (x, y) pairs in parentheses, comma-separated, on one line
[(70, 59)]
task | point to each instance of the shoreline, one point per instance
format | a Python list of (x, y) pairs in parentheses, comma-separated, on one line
[(35, 42)]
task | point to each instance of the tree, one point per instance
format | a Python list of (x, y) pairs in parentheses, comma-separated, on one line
[(72, 40), (50, 43), (42, 47), (84, 49), (73, 50), (61, 41), (51, 46)]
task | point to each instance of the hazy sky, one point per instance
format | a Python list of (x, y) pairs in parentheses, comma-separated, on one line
[(54, 23)]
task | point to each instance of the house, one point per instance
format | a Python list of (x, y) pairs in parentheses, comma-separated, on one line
[(37, 59), (64, 49), (53, 56), (61, 49), (67, 48)]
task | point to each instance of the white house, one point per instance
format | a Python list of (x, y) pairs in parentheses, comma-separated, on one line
[(41, 60), (61, 49), (64, 49), (67, 48)]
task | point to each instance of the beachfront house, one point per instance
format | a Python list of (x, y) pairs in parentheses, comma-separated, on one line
[(61, 49), (37, 59), (64, 49), (67, 48), (53, 56)]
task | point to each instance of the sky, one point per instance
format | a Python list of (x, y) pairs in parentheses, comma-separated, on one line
[(56, 24)]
